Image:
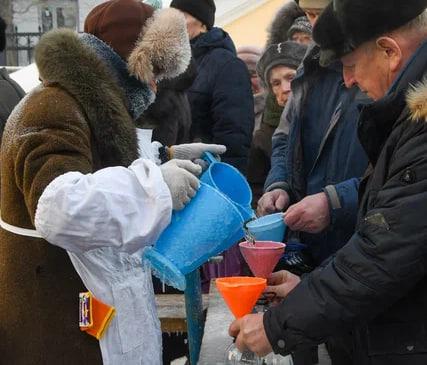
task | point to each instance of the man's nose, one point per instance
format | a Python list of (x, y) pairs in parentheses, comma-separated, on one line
[(286, 86)]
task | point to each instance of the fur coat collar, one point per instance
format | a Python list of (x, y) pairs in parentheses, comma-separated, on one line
[(65, 61), (417, 101)]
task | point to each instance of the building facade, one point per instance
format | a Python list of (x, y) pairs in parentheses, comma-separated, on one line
[(32, 18)]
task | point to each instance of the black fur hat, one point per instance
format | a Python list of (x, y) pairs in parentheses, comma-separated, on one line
[(363, 20), (346, 24), (329, 35), (2, 34)]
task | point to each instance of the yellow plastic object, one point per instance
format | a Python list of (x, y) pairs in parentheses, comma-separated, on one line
[(241, 293)]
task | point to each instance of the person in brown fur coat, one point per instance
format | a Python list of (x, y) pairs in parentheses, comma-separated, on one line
[(78, 204)]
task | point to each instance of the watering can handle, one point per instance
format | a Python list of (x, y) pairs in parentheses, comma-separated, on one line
[(209, 157)]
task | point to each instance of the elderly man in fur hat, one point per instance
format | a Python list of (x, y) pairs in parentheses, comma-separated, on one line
[(376, 285), (78, 203)]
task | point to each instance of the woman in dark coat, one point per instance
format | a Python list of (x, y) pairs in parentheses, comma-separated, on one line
[(276, 68)]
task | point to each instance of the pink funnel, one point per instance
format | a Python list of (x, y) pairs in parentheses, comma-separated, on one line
[(262, 256)]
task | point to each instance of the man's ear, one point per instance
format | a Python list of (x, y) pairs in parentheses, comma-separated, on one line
[(392, 51)]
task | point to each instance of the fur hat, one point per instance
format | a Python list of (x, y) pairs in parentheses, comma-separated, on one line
[(203, 10), (288, 54), (118, 23), (301, 25), (282, 22), (363, 20), (2, 34), (314, 4), (338, 31), (155, 45), (329, 35), (250, 55)]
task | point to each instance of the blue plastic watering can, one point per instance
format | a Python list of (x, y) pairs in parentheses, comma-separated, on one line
[(233, 184), (210, 224)]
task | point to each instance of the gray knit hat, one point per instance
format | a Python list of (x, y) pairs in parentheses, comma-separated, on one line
[(287, 53), (302, 25)]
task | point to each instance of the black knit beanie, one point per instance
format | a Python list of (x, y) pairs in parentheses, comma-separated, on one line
[(2, 34), (203, 10)]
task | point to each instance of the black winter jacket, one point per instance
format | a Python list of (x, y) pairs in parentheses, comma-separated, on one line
[(170, 114), (221, 99), (10, 95), (376, 285)]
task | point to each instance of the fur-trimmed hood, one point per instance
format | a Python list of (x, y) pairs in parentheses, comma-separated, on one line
[(417, 101), (64, 60), (285, 17)]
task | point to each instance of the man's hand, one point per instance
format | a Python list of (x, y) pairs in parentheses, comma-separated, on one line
[(282, 283), (274, 201), (250, 334), (310, 215)]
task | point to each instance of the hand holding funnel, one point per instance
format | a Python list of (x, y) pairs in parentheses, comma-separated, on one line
[(240, 294)]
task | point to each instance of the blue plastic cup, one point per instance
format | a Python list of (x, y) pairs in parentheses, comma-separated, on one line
[(204, 228), (268, 228)]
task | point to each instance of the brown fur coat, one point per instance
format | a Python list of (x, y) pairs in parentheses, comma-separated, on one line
[(76, 121)]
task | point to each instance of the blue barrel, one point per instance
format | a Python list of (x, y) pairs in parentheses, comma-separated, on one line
[(206, 227)]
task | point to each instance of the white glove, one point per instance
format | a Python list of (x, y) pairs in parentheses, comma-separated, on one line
[(194, 151), (180, 177)]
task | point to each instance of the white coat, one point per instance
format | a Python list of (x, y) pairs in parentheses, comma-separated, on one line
[(104, 220)]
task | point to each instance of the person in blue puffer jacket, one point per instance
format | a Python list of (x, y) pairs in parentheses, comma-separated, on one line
[(221, 98), (317, 160)]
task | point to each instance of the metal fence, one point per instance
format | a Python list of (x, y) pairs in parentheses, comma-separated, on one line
[(20, 47)]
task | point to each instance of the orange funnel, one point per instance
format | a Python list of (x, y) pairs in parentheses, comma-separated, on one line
[(262, 256), (240, 293)]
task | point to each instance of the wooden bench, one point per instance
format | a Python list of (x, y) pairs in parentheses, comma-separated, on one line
[(171, 311)]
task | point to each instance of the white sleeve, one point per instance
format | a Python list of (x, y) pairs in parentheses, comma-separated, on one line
[(127, 208)]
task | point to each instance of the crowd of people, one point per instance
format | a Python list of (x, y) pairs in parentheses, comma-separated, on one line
[(328, 123)]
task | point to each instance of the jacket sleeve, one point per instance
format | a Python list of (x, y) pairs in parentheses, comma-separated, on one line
[(233, 113), (71, 206), (381, 263), (343, 201), (126, 208), (278, 175)]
